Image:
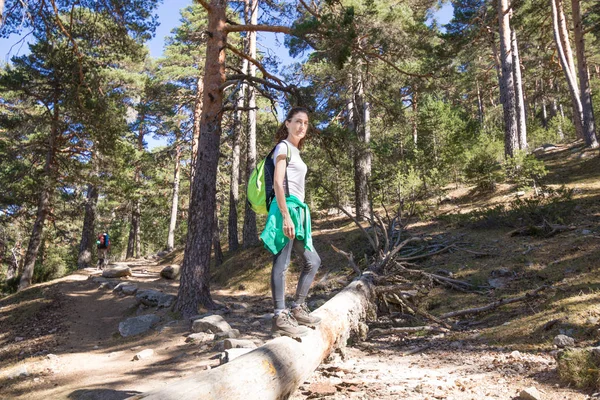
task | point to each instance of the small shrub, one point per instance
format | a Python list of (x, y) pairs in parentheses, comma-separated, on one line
[(525, 170), (483, 166), (579, 367)]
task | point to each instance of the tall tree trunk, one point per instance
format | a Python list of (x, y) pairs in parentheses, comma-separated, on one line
[(507, 86), (250, 232), (362, 154), (542, 93), (480, 109), (232, 222), (131, 238), (196, 126), (589, 125), (498, 67), (174, 199), (194, 288), (133, 244), (13, 265), (563, 47), (86, 245), (415, 117), (519, 96), (44, 201), (217, 251)]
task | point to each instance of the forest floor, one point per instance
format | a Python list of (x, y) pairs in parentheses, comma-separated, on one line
[(60, 339)]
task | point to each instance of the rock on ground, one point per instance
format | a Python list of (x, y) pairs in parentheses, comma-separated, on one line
[(137, 325), (154, 298), (127, 289), (211, 324), (170, 271), (563, 341), (147, 353), (116, 272), (531, 393), (200, 338), (238, 344)]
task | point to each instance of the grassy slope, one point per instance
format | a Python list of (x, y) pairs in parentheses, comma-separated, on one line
[(567, 261)]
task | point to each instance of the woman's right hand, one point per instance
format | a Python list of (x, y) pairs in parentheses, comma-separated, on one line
[(289, 229)]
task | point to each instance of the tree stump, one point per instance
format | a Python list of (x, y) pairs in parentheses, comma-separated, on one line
[(275, 370)]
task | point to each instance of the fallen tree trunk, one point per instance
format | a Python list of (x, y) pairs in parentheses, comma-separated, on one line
[(275, 370)]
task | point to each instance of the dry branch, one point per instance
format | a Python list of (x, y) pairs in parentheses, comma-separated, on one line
[(350, 258), (546, 229), (405, 329), (444, 280), (494, 305)]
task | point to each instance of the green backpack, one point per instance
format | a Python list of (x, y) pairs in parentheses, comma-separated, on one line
[(260, 191)]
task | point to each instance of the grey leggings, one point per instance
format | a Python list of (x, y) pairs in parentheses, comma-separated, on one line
[(280, 265)]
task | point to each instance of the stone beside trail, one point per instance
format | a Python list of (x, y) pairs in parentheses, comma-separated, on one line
[(116, 272), (154, 298), (171, 271), (211, 324), (138, 325)]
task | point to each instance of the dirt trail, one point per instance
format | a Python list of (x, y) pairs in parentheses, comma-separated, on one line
[(87, 359)]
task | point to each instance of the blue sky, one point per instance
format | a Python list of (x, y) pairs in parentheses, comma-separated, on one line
[(169, 16)]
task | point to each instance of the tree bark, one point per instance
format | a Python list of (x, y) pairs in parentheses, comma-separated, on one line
[(194, 289), (589, 124), (250, 233), (480, 109), (196, 128), (47, 190), (86, 245), (507, 86), (133, 244), (174, 199), (274, 370), (217, 251), (519, 96), (13, 265), (232, 223), (498, 67), (362, 153), (563, 47), (415, 117)]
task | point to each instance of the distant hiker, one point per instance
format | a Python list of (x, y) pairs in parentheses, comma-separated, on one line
[(103, 244), (288, 226)]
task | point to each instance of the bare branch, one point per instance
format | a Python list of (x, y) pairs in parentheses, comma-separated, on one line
[(495, 304), (233, 79), (258, 28), (312, 12), (405, 329), (350, 258), (391, 64), (255, 62), (342, 209)]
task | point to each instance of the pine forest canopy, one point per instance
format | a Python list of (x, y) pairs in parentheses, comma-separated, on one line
[(401, 107)]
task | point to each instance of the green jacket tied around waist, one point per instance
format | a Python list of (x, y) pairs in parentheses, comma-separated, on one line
[(273, 237)]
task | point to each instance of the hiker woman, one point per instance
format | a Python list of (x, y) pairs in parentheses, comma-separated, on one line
[(288, 226)]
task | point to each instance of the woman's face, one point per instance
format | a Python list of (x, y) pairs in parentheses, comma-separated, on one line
[(297, 126)]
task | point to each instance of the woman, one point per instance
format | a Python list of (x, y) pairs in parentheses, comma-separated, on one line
[(288, 226)]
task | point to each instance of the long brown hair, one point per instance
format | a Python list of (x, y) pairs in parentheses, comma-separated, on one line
[(282, 132)]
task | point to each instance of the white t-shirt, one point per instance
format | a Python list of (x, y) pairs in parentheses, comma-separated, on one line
[(296, 169)]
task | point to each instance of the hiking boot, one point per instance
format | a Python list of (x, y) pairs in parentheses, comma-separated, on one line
[(285, 324), (302, 314)]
